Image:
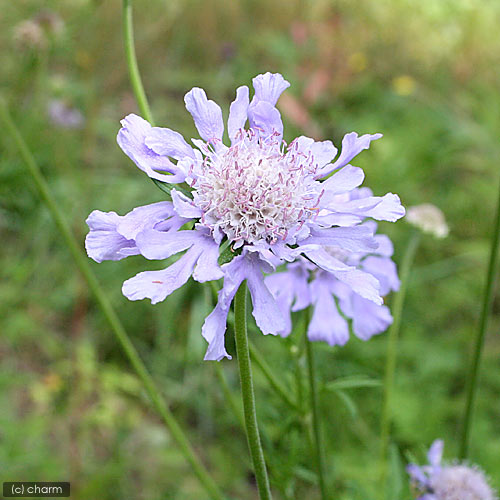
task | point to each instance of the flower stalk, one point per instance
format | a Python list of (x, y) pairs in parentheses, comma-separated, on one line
[(247, 392), (316, 421), (133, 68), (106, 307), (473, 375), (392, 351)]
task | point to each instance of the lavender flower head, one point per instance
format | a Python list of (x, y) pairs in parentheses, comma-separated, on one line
[(449, 482), (334, 301), (239, 211)]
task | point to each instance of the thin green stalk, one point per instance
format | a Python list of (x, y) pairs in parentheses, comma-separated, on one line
[(392, 350), (228, 395), (103, 302), (133, 68), (247, 392), (263, 365), (271, 377), (472, 379), (316, 421)]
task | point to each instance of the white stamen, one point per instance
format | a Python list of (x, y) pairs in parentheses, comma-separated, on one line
[(257, 189)]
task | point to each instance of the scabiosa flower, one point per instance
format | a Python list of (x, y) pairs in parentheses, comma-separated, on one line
[(265, 200), (429, 219), (334, 299), (448, 482)]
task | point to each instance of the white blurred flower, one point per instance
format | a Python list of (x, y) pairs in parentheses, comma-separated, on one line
[(429, 219), (30, 34)]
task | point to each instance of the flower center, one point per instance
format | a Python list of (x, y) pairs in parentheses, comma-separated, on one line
[(257, 190)]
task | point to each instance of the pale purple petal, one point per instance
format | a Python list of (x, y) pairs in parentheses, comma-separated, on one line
[(385, 270), (352, 239), (417, 474), (238, 113), (326, 323), (157, 245), (387, 207), (207, 268), (343, 181), (281, 286), (265, 310), (131, 138), (213, 332), (103, 241), (166, 142), (326, 219), (157, 285), (144, 217), (266, 119), (322, 258), (320, 153), (368, 318), (185, 206), (301, 287), (362, 283), (352, 145), (435, 453), (214, 328), (269, 86), (385, 246), (206, 114)]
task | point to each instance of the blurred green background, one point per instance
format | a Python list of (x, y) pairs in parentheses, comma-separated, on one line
[(425, 74)]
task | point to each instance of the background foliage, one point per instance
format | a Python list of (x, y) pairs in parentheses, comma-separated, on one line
[(425, 74)]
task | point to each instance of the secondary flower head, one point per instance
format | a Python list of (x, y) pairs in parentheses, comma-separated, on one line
[(334, 302), (268, 201), (428, 218), (449, 481)]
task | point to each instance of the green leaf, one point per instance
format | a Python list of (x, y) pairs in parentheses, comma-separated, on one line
[(349, 403), (167, 188), (352, 383), (397, 475)]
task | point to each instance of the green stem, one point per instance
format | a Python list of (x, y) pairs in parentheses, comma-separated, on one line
[(263, 365), (133, 68), (316, 421), (481, 333), (247, 392), (392, 350), (271, 377), (228, 395), (103, 302)]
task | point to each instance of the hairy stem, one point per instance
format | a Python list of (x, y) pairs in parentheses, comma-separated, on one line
[(392, 351), (247, 392), (473, 375), (104, 303)]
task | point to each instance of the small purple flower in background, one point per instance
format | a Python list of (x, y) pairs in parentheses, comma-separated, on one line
[(334, 300), (265, 200), (64, 116), (448, 481)]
